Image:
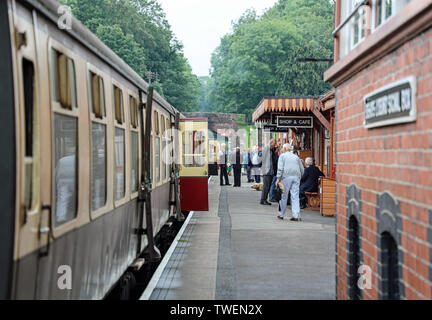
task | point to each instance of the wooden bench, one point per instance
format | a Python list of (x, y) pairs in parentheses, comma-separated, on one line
[(313, 201)]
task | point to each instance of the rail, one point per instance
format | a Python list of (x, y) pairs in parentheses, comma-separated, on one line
[(356, 9)]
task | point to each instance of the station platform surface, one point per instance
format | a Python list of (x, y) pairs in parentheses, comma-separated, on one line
[(239, 250)]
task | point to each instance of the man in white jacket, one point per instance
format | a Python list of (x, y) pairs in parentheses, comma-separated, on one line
[(290, 171)]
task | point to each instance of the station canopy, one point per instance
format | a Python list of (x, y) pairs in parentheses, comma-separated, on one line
[(283, 104)]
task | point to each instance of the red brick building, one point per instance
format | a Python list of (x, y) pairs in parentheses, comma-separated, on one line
[(382, 76)]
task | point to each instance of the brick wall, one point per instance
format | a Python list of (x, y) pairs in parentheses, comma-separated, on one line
[(390, 168), (220, 121)]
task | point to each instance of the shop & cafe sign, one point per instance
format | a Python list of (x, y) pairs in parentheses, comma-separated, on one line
[(294, 122)]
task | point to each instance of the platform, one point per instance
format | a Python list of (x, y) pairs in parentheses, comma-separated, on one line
[(239, 250)]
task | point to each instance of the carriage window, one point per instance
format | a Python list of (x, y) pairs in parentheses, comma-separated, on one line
[(28, 76), (65, 168), (162, 123), (98, 142), (29, 92), (151, 161), (64, 85), (156, 123), (133, 106), (119, 146), (193, 148), (97, 93), (119, 164), (135, 159), (168, 150), (133, 111), (98, 175), (157, 158), (156, 146), (118, 105), (164, 153)]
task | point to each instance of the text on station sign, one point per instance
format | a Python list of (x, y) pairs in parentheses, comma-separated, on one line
[(295, 122), (391, 105)]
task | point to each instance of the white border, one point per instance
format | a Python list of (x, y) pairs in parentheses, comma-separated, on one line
[(412, 80)]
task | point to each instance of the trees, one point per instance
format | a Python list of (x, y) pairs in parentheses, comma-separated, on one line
[(204, 103), (259, 57), (124, 45), (137, 31)]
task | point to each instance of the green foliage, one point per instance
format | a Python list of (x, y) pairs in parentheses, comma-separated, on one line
[(204, 103), (258, 58), (137, 31), (124, 45)]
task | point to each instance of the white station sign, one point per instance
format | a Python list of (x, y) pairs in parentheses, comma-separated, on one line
[(392, 104)]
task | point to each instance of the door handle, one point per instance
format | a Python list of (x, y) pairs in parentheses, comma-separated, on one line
[(45, 231)]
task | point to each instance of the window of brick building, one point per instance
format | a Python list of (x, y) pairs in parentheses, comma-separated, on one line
[(358, 18), (355, 30), (390, 267), (385, 9), (354, 258)]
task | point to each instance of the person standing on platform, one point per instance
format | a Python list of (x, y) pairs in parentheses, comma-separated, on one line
[(290, 170), (268, 170), (255, 164), (276, 154), (309, 180), (223, 159), (237, 165), (249, 166)]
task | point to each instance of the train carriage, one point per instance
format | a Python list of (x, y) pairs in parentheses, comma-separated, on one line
[(73, 159)]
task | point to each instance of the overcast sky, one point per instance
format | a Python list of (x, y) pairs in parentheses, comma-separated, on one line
[(199, 25)]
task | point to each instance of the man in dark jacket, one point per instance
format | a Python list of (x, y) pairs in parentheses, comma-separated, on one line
[(223, 165), (309, 181), (267, 170), (249, 166), (236, 164), (275, 158)]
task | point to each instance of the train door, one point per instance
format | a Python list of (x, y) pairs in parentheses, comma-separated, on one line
[(193, 145), (29, 165), (7, 160)]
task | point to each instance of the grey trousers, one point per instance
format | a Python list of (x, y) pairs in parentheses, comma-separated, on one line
[(267, 180), (291, 185)]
